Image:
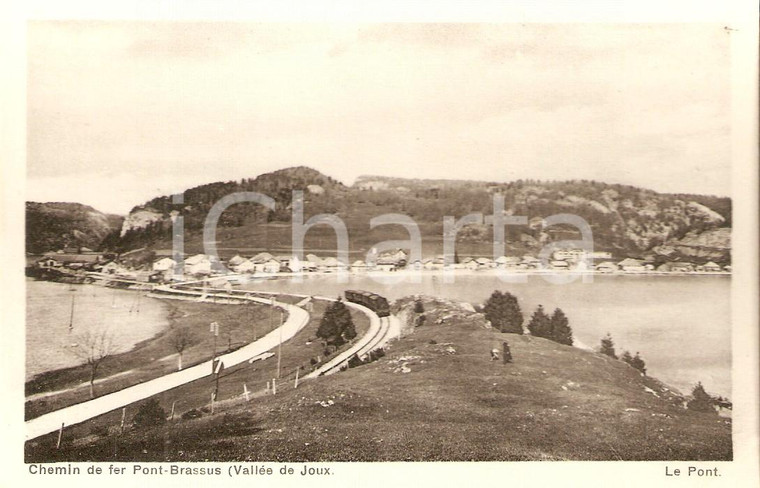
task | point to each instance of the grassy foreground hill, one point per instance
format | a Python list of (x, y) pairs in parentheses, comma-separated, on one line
[(437, 395)]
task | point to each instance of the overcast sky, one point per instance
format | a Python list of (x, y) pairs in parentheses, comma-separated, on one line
[(120, 112)]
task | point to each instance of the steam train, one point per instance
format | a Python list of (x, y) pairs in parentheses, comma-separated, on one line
[(372, 301)]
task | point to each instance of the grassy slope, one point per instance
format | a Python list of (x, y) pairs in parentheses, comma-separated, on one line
[(79, 444), (156, 356), (552, 402)]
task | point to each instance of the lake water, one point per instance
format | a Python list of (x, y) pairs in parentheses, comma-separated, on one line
[(127, 318), (681, 325)]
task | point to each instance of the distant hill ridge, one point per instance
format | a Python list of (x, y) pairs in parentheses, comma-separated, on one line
[(624, 219), (57, 225)]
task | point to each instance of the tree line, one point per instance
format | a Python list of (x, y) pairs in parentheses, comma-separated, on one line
[(503, 311)]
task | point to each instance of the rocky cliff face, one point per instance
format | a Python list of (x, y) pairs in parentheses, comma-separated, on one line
[(139, 219), (712, 244)]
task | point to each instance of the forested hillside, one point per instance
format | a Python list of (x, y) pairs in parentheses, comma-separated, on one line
[(626, 220), (54, 226)]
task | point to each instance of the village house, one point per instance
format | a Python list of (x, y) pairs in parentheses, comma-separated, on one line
[(247, 266), (607, 267), (484, 263), (331, 264), (272, 266), (236, 261), (164, 264), (572, 255), (72, 260), (682, 267), (262, 258), (709, 267), (110, 268), (198, 265), (359, 266), (284, 261), (531, 262), (631, 265), (559, 265), (49, 262)]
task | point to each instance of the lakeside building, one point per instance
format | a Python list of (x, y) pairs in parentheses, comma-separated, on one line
[(709, 267), (631, 265), (198, 265), (236, 260), (164, 264), (607, 267), (71, 261)]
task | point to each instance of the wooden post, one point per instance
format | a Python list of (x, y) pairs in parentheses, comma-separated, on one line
[(60, 434), (213, 396), (171, 417), (123, 417), (296, 385), (245, 392), (274, 386)]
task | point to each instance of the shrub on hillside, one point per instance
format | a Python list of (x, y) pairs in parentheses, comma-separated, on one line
[(504, 313), (701, 401), (634, 361), (419, 307), (149, 414), (540, 324), (337, 326), (560, 327), (608, 347), (639, 363), (192, 414)]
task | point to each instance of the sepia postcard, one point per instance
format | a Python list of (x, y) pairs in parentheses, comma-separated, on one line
[(426, 245)]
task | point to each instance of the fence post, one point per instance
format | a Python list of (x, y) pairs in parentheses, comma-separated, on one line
[(274, 386), (123, 417), (60, 434), (245, 392), (296, 385)]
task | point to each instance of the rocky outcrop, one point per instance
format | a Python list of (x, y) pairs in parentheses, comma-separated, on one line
[(710, 244), (139, 219)]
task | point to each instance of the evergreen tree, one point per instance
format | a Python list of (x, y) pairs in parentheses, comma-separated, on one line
[(608, 347), (626, 357), (560, 328), (540, 324), (504, 313), (639, 363), (336, 327), (701, 401), (418, 306), (149, 414)]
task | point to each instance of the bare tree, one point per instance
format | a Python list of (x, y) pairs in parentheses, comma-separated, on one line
[(180, 340), (94, 347)]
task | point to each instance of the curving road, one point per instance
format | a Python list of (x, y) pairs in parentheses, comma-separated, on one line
[(74, 414)]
